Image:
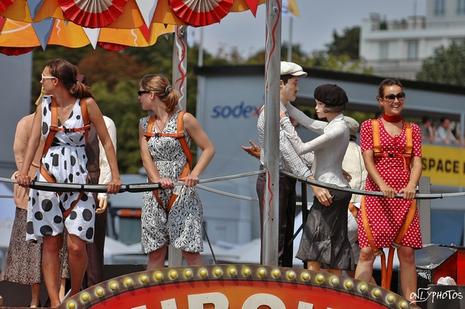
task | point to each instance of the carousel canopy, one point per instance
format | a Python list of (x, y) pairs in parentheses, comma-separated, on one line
[(111, 24)]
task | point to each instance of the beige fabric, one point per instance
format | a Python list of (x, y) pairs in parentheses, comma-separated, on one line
[(20, 144), (354, 165), (105, 171)]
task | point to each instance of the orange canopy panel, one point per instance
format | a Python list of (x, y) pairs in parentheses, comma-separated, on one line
[(22, 34), (130, 17)]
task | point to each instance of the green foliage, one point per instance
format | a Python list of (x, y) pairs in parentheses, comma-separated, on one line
[(341, 63), (446, 66), (122, 106), (346, 44)]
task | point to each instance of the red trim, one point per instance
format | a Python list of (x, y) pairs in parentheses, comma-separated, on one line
[(195, 18)]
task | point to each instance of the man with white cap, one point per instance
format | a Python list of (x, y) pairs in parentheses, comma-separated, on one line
[(289, 161)]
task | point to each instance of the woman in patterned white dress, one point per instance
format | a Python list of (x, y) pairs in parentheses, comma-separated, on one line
[(165, 222), (390, 174), (65, 161)]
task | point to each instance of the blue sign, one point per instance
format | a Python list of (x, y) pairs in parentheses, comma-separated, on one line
[(238, 111)]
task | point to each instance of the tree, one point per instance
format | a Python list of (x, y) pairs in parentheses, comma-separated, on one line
[(345, 44), (446, 66)]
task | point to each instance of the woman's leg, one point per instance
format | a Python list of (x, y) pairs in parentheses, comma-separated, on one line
[(157, 258), (364, 270), (35, 292), (77, 259), (192, 259), (408, 272), (51, 266), (62, 288)]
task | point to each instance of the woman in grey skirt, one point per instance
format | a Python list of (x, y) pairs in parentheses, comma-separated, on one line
[(324, 242), (23, 258)]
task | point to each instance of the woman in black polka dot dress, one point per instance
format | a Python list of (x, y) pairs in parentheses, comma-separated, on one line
[(65, 161), (167, 219)]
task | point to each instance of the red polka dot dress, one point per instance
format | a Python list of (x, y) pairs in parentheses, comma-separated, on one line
[(386, 215)]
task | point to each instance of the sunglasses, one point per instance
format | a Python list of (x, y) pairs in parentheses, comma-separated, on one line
[(392, 97), (44, 77), (141, 92)]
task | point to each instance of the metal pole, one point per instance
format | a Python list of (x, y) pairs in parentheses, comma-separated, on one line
[(289, 43), (200, 55), (271, 146), (180, 84), (425, 210), (180, 63)]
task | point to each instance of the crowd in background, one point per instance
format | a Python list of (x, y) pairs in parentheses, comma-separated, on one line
[(444, 132)]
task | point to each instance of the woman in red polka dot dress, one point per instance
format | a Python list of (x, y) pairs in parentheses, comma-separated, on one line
[(390, 174)]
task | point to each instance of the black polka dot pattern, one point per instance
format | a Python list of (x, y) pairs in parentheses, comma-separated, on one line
[(47, 205), (29, 227), (87, 215), (57, 219), (73, 215), (38, 215), (44, 128), (90, 233), (46, 230), (55, 158)]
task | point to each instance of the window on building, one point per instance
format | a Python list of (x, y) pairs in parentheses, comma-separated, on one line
[(439, 7), (460, 7), (383, 50), (412, 49)]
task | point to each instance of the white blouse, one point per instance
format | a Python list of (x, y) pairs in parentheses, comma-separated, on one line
[(329, 148)]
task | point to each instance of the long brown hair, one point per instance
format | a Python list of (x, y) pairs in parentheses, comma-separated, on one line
[(159, 84), (386, 83), (67, 73)]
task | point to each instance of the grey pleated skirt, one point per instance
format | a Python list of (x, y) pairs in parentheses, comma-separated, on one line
[(324, 238), (23, 259)]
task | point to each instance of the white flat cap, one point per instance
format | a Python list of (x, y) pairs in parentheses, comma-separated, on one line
[(293, 69)]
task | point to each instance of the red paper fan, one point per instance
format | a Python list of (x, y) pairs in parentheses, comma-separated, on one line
[(92, 13), (112, 46), (201, 12), (4, 4), (15, 51)]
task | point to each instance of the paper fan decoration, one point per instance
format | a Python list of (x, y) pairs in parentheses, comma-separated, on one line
[(201, 12), (92, 13), (4, 4)]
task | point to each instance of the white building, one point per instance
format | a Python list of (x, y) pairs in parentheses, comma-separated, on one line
[(397, 48)]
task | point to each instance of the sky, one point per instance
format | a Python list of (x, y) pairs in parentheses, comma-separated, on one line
[(312, 29)]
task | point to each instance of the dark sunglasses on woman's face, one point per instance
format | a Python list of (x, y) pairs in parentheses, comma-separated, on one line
[(392, 97), (141, 92)]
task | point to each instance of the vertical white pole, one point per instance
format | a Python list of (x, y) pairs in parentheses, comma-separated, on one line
[(179, 81), (271, 146), (200, 55), (424, 207)]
